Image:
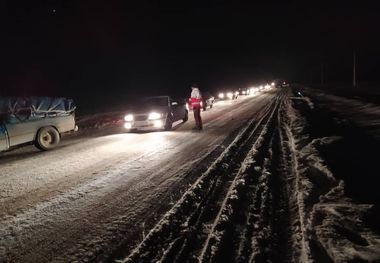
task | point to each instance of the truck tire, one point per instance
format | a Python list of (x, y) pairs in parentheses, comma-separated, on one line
[(47, 138)]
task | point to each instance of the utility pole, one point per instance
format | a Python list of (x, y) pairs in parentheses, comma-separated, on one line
[(354, 69)]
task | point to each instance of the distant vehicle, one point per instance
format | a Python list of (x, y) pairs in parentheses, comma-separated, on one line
[(228, 95), (244, 91), (282, 84), (38, 120), (156, 113), (207, 100)]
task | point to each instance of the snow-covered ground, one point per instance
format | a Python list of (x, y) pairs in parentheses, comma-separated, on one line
[(269, 197), (83, 199), (260, 183)]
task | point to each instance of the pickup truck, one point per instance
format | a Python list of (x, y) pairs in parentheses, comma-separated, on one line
[(38, 120)]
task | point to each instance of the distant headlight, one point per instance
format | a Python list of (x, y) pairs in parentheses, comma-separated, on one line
[(230, 95), (221, 95), (128, 117), (272, 83), (154, 116), (244, 92), (236, 93)]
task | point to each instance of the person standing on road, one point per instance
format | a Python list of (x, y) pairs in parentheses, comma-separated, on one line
[(195, 100)]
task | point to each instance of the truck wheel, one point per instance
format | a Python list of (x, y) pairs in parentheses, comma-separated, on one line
[(47, 138)]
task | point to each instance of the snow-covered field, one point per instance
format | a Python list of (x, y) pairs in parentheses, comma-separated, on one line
[(257, 185)]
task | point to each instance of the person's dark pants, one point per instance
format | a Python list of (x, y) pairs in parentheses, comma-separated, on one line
[(197, 117)]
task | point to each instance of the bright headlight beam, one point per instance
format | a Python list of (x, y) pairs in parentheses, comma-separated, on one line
[(221, 95), (128, 117), (154, 116), (158, 124)]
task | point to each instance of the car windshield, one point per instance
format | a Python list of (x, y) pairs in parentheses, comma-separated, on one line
[(154, 101)]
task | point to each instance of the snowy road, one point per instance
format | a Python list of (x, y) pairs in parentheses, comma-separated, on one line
[(94, 195), (260, 184)]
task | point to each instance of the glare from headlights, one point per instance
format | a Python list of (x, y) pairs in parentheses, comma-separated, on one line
[(221, 95), (128, 117), (230, 95), (272, 83), (244, 92), (154, 116), (128, 125), (158, 124)]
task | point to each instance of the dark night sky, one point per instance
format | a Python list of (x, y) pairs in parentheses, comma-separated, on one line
[(117, 49)]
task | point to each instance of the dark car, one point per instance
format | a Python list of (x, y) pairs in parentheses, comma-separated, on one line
[(156, 113), (207, 100)]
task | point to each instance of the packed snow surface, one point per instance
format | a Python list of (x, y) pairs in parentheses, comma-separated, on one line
[(251, 187)]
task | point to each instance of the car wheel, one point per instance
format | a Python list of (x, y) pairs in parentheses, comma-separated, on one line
[(186, 117), (47, 138), (168, 124)]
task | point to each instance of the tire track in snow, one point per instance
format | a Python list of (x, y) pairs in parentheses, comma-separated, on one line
[(48, 226), (201, 207)]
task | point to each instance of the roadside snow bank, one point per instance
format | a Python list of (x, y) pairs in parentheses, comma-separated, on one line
[(333, 227), (362, 113)]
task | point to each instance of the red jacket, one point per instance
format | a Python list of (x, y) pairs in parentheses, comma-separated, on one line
[(196, 98)]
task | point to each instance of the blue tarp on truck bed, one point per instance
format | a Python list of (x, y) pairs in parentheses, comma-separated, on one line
[(36, 106)]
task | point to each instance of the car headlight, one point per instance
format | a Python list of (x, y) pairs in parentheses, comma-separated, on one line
[(236, 93), (158, 123), (128, 117), (221, 95), (230, 95), (154, 116)]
